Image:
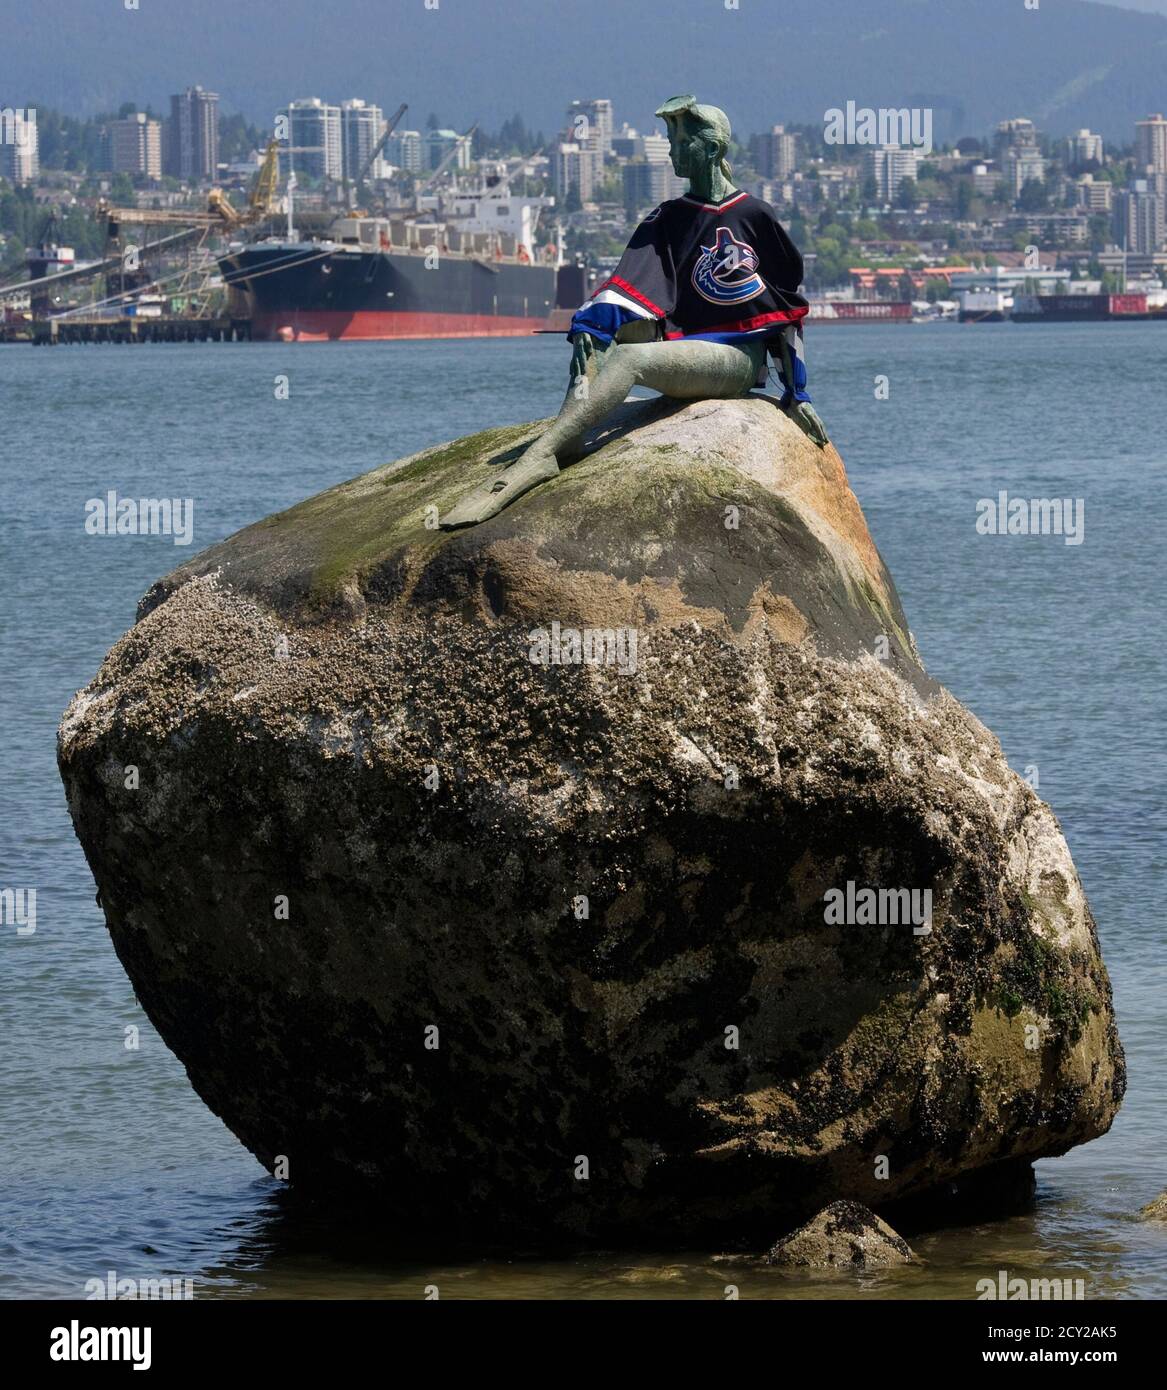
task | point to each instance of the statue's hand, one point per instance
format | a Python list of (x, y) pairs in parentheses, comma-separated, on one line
[(806, 418)]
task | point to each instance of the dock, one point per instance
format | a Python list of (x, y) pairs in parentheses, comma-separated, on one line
[(49, 332)]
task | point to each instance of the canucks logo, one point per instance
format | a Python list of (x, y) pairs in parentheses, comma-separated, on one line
[(727, 271)]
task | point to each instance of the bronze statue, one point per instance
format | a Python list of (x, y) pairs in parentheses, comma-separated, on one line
[(708, 283)]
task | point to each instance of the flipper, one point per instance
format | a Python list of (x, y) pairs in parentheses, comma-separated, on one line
[(487, 500)]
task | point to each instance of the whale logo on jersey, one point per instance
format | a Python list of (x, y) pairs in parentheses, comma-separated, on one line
[(727, 271)]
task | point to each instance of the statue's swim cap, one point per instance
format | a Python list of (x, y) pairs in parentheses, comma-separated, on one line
[(711, 121)]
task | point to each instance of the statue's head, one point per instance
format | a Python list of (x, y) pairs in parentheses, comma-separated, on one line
[(698, 136)]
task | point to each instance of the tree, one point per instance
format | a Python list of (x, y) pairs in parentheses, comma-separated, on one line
[(908, 195), (964, 198), (1034, 196), (571, 201)]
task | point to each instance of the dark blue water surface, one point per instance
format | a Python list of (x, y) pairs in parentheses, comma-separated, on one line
[(110, 1160)]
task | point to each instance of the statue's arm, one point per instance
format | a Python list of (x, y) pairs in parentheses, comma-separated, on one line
[(583, 349), (802, 413)]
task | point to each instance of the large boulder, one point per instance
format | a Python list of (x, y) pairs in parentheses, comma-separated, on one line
[(521, 933)]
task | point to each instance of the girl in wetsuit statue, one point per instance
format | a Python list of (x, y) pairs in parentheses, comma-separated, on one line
[(711, 278)]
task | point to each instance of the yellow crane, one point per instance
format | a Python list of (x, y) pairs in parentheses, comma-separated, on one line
[(261, 203)]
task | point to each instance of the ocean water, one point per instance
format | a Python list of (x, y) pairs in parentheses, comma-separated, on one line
[(111, 1162)]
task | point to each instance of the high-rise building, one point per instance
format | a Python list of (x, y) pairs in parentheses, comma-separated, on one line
[(1023, 164), (192, 135), (1151, 145), (573, 166), (1083, 148), (889, 166), (775, 153), (19, 146), (1017, 134), (1141, 215), (648, 182), (404, 150), (656, 149), (360, 128), (590, 126), (134, 146), (1096, 195), (315, 139)]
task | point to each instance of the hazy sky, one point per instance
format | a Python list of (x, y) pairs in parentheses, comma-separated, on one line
[(1073, 63)]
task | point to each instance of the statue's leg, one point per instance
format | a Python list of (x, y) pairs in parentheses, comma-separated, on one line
[(682, 370)]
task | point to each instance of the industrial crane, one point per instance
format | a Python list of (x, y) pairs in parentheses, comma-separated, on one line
[(366, 167), (219, 212)]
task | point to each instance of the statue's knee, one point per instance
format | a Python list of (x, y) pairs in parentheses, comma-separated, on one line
[(628, 357)]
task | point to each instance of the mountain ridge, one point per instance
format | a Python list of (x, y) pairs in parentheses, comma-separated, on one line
[(1071, 63)]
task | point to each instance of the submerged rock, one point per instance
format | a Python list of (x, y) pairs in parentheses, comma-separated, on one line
[(521, 878), (1156, 1210), (843, 1235)]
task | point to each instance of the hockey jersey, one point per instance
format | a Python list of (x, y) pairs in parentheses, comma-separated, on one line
[(723, 272)]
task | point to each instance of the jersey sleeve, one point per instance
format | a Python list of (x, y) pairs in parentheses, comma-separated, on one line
[(643, 285)]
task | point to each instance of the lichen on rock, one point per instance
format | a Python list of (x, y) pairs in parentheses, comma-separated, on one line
[(554, 960)]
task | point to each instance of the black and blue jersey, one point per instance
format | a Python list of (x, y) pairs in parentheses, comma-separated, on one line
[(722, 272)]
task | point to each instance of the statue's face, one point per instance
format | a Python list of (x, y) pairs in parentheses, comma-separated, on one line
[(690, 150)]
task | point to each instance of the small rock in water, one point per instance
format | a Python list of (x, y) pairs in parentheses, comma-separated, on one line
[(843, 1235), (1156, 1210)]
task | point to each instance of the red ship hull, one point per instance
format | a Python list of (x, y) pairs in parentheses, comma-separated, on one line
[(371, 325)]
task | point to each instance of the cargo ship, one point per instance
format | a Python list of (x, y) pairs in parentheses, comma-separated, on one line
[(859, 311), (985, 306), (472, 266), (1080, 308)]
